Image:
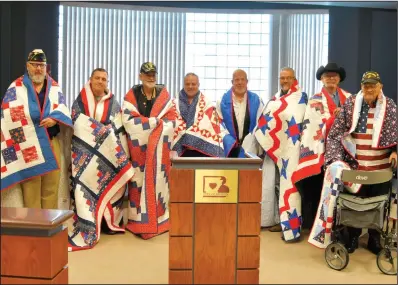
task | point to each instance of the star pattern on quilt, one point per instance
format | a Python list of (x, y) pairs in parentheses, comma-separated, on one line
[(284, 167), (9, 154), (17, 135), (294, 130), (263, 122), (293, 223), (303, 99), (11, 95), (363, 120)]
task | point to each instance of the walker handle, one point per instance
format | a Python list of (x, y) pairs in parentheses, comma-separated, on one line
[(393, 163)]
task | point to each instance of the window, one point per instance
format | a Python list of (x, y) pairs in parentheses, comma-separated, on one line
[(217, 44), (212, 45)]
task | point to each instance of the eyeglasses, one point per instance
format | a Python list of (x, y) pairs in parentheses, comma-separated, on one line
[(328, 75), (36, 65)]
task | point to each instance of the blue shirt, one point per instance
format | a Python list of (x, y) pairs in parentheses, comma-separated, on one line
[(336, 98)]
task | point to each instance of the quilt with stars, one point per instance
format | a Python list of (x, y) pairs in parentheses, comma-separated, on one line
[(149, 142), (278, 133), (25, 146), (100, 169), (341, 152), (201, 131), (318, 119)]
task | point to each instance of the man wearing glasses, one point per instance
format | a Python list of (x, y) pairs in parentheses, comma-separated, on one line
[(364, 137), (278, 133), (33, 112), (321, 111), (149, 117)]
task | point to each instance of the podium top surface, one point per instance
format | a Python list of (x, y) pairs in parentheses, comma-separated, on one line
[(25, 218), (251, 162)]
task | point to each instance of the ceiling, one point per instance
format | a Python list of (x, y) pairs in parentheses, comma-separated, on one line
[(360, 4)]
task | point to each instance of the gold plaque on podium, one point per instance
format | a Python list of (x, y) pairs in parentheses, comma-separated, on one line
[(216, 186)]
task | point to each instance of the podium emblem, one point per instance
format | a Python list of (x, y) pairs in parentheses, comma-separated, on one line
[(216, 186)]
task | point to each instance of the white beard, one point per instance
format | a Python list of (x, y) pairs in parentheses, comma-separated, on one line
[(37, 79)]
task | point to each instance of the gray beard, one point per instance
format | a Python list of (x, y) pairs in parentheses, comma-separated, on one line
[(37, 79)]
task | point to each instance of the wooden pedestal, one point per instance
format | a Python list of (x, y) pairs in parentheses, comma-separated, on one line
[(214, 243), (34, 246)]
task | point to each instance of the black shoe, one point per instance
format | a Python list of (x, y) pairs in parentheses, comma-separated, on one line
[(374, 245), (352, 245), (106, 230)]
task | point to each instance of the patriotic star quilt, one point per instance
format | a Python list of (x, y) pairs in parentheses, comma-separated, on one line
[(278, 132), (204, 135)]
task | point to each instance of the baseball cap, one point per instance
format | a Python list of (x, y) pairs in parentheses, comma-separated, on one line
[(370, 77), (148, 67), (37, 55)]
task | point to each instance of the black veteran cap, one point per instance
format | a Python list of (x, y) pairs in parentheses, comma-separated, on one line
[(37, 55), (370, 77), (148, 67)]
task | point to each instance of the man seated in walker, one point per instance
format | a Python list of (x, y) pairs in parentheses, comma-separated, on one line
[(363, 137)]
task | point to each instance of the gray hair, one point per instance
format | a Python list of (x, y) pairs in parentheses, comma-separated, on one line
[(191, 74), (239, 70), (289, 69)]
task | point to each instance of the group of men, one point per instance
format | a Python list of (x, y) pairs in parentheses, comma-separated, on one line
[(302, 141)]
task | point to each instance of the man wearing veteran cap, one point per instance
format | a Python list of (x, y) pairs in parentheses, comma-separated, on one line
[(321, 111), (149, 117), (33, 113), (363, 137)]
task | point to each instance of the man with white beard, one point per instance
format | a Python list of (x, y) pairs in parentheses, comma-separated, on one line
[(33, 111)]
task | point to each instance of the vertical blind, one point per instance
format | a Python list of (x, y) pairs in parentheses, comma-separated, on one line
[(119, 40), (307, 47)]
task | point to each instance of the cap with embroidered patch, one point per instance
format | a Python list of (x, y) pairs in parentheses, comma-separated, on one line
[(37, 55), (371, 77), (148, 67)]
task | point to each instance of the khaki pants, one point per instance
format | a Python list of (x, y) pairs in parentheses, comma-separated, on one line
[(42, 192)]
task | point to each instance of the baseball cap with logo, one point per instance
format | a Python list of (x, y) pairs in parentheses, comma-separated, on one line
[(37, 55), (148, 67), (371, 77)]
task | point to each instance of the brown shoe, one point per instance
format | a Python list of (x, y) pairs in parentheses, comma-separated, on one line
[(276, 228)]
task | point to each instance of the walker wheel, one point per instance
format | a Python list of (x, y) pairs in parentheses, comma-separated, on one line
[(387, 261), (336, 256)]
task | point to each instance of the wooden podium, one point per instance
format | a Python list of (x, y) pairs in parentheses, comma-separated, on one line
[(34, 246), (215, 220)]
